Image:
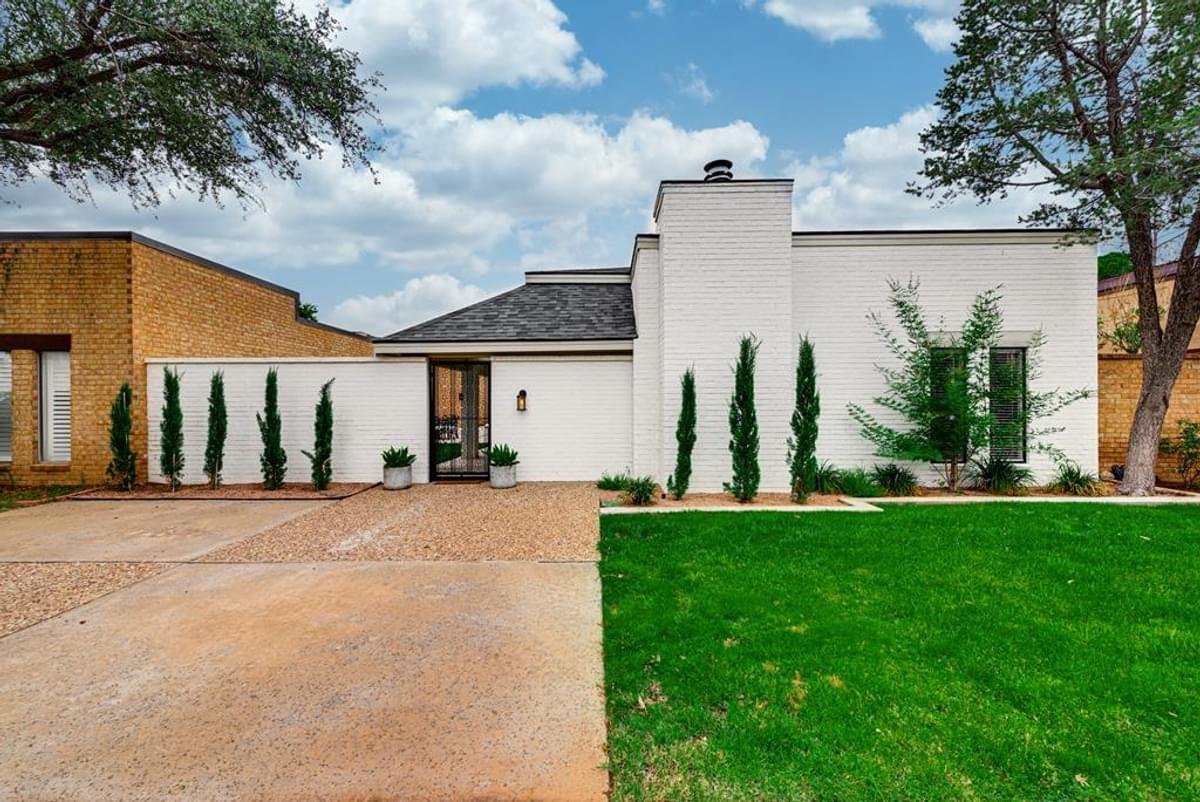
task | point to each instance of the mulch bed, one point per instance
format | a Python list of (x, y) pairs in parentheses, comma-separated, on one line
[(610, 498), (292, 491)]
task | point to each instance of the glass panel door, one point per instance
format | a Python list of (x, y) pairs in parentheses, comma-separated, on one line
[(460, 425)]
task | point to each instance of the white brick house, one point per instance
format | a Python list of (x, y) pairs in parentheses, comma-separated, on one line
[(596, 355)]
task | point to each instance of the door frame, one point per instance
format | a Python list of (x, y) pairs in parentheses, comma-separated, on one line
[(431, 429)]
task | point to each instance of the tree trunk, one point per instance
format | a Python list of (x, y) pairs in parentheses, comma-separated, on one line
[(1142, 455)]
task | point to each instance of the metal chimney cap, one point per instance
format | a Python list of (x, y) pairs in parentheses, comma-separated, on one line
[(718, 170)]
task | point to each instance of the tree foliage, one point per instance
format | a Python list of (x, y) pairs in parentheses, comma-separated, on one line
[(125, 93), (122, 467), (321, 456), (685, 436), (743, 425), (940, 398), (170, 458), (214, 446), (1111, 265), (307, 311), (1098, 102), (273, 459), (1185, 447), (802, 445)]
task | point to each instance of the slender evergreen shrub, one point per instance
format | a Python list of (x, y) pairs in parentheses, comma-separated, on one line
[(802, 445), (170, 459), (122, 467), (273, 458), (214, 446), (743, 425), (321, 456), (685, 436)]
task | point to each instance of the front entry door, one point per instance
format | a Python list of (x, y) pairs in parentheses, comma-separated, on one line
[(460, 406)]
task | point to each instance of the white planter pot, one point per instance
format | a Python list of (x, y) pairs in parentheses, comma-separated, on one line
[(397, 478), (503, 475)]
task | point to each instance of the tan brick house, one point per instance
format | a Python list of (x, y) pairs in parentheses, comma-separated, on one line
[(81, 312)]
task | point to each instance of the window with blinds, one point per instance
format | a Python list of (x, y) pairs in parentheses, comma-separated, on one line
[(5, 406), (55, 404), (1006, 380)]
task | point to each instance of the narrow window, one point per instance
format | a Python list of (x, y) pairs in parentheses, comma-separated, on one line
[(5, 406), (947, 378), (1006, 380), (55, 396)]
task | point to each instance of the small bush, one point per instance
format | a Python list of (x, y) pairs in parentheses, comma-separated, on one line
[(610, 481), (640, 491), (398, 457), (501, 455), (859, 484), (827, 479), (1186, 446), (896, 480), (1001, 476), (1074, 481)]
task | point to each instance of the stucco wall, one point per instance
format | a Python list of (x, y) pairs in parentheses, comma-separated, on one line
[(376, 404), (1044, 286), (578, 422)]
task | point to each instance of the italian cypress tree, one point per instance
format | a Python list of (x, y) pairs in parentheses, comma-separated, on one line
[(321, 456), (122, 468), (214, 448), (802, 445), (170, 458), (743, 425), (685, 436), (273, 458)]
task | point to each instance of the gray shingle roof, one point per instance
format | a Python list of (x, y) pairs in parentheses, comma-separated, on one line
[(534, 313)]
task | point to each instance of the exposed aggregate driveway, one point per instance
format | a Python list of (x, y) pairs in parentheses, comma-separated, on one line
[(374, 676)]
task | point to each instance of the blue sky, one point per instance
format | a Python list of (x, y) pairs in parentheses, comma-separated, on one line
[(532, 133)]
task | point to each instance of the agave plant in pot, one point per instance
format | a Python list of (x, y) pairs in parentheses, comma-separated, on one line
[(503, 461), (397, 468)]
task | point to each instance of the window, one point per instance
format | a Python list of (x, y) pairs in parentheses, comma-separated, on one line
[(1006, 380), (55, 402), (947, 376), (5, 406)]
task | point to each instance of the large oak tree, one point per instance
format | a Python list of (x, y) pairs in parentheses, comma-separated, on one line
[(199, 94), (1098, 100)]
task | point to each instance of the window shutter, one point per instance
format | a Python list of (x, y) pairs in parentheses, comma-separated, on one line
[(5, 406), (56, 406), (1006, 379)]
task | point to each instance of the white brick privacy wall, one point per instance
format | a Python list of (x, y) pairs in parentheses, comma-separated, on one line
[(376, 404), (647, 361), (725, 251), (1046, 287), (579, 420)]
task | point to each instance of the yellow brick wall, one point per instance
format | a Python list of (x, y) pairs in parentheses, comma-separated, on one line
[(123, 302), (1113, 306), (76, 287), (1120, 382)]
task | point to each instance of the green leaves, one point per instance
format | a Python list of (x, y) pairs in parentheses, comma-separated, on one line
[(122, 468), (273, 458), (214, 446), (802, 445), (743, 425), (321, 456), (170, 458), (685, 436)]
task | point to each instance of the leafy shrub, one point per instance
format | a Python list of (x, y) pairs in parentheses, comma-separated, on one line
[(895, 479), (610, 481), (1002, 476), (501, 455), (640, 491), (859, 484), (122, 468), (398, 457), (1186, 446), (827, 479), (1074, 481)]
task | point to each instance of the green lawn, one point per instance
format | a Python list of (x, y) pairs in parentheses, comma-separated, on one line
[(1013, 651)]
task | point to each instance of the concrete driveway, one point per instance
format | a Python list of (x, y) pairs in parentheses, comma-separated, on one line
[(367, 680)]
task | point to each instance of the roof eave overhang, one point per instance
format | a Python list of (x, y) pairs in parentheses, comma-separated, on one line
[(475, 347)]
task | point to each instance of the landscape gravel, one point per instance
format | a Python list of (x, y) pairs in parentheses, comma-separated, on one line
[(32, 592)]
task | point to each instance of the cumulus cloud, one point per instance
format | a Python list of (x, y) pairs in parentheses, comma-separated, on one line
[(692, 81), (419, 299), (862, 186), (835, 20)]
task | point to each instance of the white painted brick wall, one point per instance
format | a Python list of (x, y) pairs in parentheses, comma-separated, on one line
[(647, 365), (579, 420), (725, 251), (376, 404), (1045, 286)]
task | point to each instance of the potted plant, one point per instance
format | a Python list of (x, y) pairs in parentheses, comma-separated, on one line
[(397, 468), (503, 461)]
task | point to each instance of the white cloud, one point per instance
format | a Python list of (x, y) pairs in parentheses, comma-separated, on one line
[(658, 7), (862, 186), (692, 81), (420, 299), (835, 20)]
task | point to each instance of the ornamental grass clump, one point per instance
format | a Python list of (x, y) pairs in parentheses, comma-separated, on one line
[(640, 491), (502, 455), (895, 479), (1073, 480), (999, 475), (857, 483), (398, 457), (614, 481)]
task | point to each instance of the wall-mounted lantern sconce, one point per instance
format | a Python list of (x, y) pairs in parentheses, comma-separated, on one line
[(521, 401)]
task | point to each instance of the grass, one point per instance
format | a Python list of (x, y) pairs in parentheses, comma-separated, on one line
[(999, 651), (10, 496)]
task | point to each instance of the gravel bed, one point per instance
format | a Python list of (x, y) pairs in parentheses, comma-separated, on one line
[(533, 521), (32, 592), (291, 491)]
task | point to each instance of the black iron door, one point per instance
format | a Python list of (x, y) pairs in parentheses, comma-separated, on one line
[(460, 402)]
